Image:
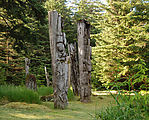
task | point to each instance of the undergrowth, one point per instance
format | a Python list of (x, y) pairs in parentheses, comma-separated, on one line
[(43, 91), (128, 108), (22, 94), (18, 94)]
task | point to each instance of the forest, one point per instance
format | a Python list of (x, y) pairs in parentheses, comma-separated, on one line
[(74, 59)]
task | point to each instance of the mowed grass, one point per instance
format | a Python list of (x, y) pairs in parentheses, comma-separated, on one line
[(45, 111)]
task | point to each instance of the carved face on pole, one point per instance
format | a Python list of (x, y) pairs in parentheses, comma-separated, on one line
[(60, 47), (61, 51)]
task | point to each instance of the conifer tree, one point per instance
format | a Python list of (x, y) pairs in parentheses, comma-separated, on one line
[(121, 52), (19, 29)]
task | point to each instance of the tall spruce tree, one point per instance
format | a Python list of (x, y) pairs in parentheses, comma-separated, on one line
[(19, 28), (121, 52)]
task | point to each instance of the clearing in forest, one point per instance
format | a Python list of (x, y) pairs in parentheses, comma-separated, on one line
[(45, 111)]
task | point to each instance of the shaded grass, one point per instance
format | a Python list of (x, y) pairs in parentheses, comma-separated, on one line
[(75, 110), (43, 91)]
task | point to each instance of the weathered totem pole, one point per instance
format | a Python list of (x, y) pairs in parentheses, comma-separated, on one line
[(74, 79), (30, 79), (59, 65), (83, 30), (27, 63), (47, 76)]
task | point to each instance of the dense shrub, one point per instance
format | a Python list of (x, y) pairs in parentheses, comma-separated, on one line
[(119, 113), (43, 91), (128, 108), (70, 94), (18, 94)]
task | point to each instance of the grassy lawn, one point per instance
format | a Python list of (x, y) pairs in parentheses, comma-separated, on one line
[(75, 111)]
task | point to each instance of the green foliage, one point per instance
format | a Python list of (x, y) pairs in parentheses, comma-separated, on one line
[(128, 108), (119, 113), (43, 91), (18, 94), (122, 46), (2, 75), (21, 18), (24, 33), (70, 95)]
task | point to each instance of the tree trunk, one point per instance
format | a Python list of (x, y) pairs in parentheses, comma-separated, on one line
[(59, 64), (47, 76), (84, 60), (74, 69)]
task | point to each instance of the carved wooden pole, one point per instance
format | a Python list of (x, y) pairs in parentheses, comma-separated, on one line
[(59, 65), (84, 60), (74, 69), (30, 79), (47, 76), (27, 62)]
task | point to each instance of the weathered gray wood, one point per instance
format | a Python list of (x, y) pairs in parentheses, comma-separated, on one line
[(83, 30), (74, 69), (27, 63), (47, 76), (68, 68), (30, 79), (59, 64)]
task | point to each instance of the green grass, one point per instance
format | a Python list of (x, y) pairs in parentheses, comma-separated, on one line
[(18, 94), (22, 94), (45, 111), (43, 91), (128, 108)]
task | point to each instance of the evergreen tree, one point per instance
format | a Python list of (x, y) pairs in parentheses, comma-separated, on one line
[(121, 52), (20, 21)]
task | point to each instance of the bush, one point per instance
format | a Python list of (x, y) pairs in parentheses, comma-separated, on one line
[(128, 108), (70, 94), (18, 94), (43, 91), (120, 113)]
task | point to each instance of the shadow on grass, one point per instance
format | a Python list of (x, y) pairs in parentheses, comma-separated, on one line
[(75, 111)]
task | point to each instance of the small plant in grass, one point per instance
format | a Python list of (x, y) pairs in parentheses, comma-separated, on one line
[(18, 94), (70, 94)]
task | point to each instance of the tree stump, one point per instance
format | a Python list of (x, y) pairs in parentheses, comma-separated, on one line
[(59, 64), (84, 60)]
